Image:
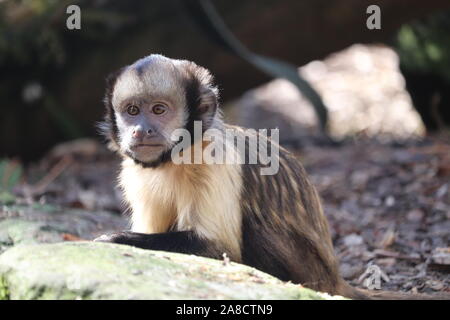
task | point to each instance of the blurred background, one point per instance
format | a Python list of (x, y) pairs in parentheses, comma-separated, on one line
[(369, 116), (395, 81)]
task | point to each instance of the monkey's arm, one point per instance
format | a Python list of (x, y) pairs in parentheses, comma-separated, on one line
[(178, 241)]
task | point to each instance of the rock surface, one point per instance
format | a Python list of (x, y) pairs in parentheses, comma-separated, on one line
[(87, 270), (41, 258), (22, 224)]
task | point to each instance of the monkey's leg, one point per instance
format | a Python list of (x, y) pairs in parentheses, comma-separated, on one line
[(178, 241)]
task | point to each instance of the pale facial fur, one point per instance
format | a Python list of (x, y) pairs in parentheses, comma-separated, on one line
[(150, 81)]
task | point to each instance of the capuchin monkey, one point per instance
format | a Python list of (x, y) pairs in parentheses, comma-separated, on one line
[(272, 222)]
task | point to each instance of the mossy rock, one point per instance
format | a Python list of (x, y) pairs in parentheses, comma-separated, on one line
[(17, 231), (88, 270), (20, 224)]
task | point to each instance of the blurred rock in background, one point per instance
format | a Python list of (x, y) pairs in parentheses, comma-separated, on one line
[(362, 87)]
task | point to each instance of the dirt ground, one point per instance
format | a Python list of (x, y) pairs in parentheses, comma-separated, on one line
[(388, 204)]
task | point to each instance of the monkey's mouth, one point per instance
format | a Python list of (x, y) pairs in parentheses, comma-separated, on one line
[(145, 152), (146, 145)]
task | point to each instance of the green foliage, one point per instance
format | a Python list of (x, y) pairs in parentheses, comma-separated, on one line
[(24, 30), (36, 47), (425, 45), (33, 32), (10, 175), (4, 292)]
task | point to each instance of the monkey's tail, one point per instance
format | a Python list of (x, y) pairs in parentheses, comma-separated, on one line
[(362, 294)]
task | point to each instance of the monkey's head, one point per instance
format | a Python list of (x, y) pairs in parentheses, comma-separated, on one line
[(148, 100)]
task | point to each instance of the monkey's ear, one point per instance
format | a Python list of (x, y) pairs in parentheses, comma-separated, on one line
[(201, 94), (208, 103), (108, 127)]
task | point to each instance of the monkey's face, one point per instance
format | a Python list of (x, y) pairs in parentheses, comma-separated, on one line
[(148, 107), (150, 99), (145, 128)]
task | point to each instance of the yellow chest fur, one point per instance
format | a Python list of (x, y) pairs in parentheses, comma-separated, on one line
[(203, 198)]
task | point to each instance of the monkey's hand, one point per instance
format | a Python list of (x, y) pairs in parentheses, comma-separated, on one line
[(177, 241), (119, 237)]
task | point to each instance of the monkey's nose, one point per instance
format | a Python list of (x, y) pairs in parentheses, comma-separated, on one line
[(138, 134)]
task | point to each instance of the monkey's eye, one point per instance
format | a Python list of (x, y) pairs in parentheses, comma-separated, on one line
[(159, 109), (132, 110)]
